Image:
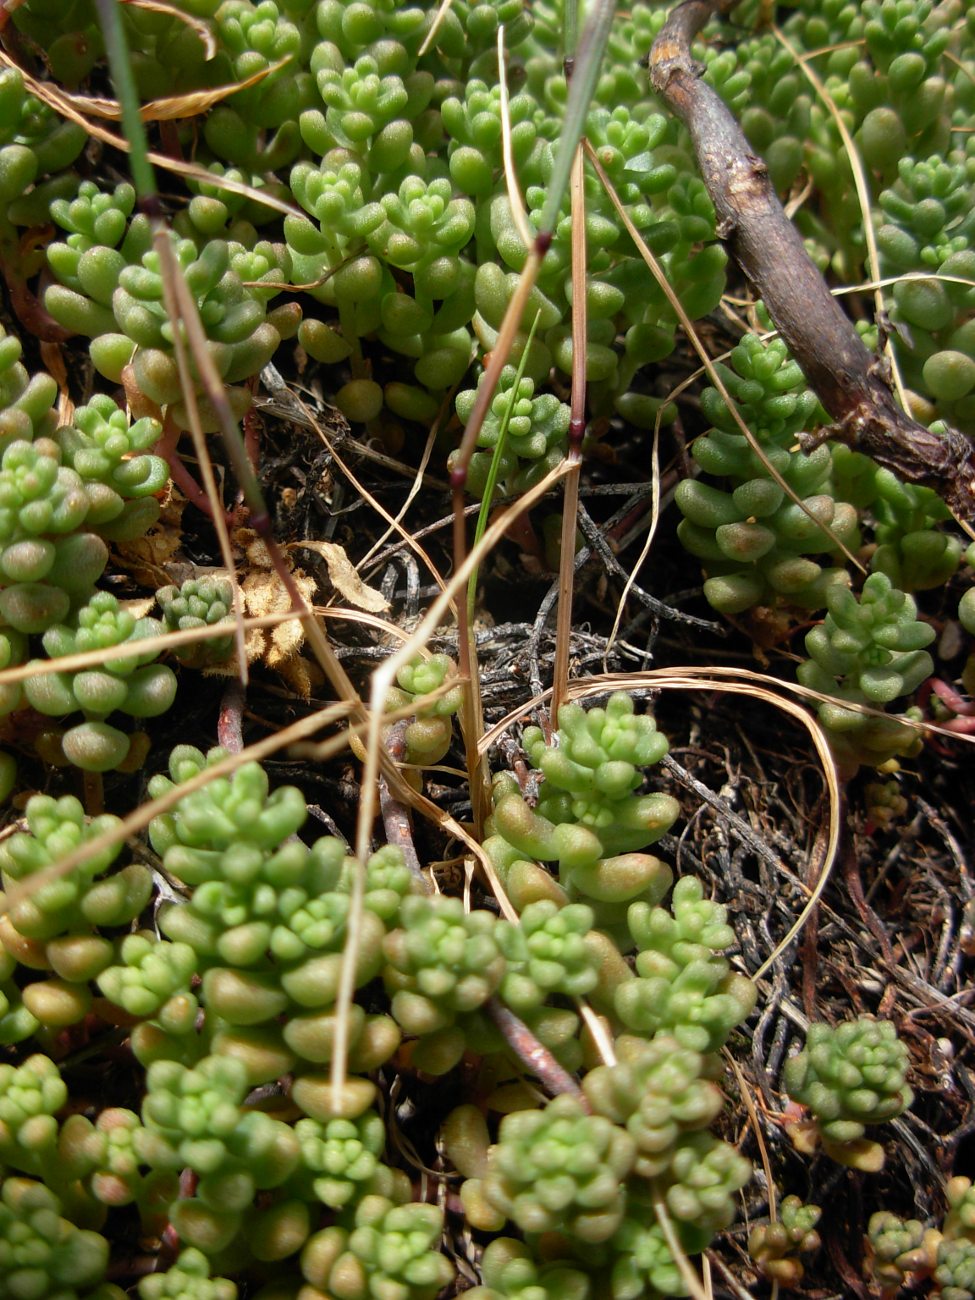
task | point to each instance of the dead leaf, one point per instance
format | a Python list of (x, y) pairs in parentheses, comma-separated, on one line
[(171, 107), (264, 593), (344, 578), (147, 558), (57, 99)]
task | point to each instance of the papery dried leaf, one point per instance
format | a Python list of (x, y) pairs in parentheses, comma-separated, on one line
[(171, 107), (264, 593), (201, 28), (147, 558), (295, 673), (344, 578), (139, 606), (57, 99)]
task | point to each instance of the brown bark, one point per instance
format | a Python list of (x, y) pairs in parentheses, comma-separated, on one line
[(849, 381)]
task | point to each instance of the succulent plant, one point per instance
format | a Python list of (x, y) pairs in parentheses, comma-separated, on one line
[(660, 1090), (954, 1272), (897, 1248), (850, 1076), (150, 971), (129, 682), (340, 1159), (754, 539), (588, 817), (385, 1251), (54, 928), (868, 651), (684, 986), (534, 431), (560, 1169), (776, 1247), (508, 1270), (193, 1119), (111, 455), (113, 292), (383, 125), (960, 1219), (47, 563), (188, 1279), (43, 1253), (26, 402), (198, 602), (441, 963), (545, 953), (267, 916)]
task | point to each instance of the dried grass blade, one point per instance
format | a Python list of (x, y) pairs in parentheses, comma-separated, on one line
[(515, 200), (201, 28), (181, 307)]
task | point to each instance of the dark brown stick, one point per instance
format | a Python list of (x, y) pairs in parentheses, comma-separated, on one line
[(848, 380)]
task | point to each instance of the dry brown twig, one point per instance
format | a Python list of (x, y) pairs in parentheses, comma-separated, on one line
[(849, 381)]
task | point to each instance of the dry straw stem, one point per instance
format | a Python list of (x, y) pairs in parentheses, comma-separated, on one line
[(471, 719), (598, 1031), (577, 424), (392, 522), (651, 528), (201, 28), (439, 16), (744, 1088), (181, 307), (691, 1279), (803, 62), (706, 361), (419, 476), (161, 642), (517, 203), (382, 681)]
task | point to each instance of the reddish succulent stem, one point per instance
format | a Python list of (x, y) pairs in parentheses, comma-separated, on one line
[(963, 723), (534, 1055), (230, 723), (396, 817)]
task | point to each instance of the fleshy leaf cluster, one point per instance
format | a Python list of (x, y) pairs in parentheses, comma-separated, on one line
[(559, 1169), (851, 1076), (756, 540), (527, 434), (197, 603), (684, 985), (776, 1247), (126, 682), (588, 817), (54, 928), (867, 651), (267, 923)]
